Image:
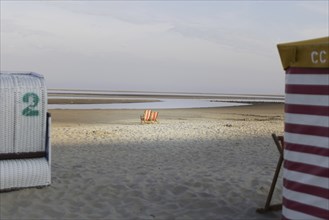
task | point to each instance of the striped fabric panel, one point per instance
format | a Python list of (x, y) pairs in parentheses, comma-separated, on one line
[(312, 100), (307, 89), (306, 155), (309, 140), (154, 116), (297, 210), (147, 115), (306, 109), (307, 129), (306, 203), (304, 200), (304, 119), (309, 163), (307, 167), (307, 149), (311, 71), (288, 214), (306, 188), (306, 79), (305, 178)]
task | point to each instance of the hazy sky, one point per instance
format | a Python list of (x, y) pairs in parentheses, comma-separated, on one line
[(171, 46)]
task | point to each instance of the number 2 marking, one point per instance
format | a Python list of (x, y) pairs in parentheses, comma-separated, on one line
[(33, 100)]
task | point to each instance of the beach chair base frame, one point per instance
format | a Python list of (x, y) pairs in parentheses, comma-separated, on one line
[(271, 208)]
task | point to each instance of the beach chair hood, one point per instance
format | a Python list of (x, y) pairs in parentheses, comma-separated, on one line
[(309, 53)]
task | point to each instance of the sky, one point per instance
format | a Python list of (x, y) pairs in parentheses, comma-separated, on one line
[(163, 46)]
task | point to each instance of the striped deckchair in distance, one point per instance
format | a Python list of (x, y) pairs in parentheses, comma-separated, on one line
[(146, 116), (154, 116), (149, 117)]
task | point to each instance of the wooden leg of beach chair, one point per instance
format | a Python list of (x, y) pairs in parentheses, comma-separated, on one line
[(278, 140), (269, 207), (279, 143)]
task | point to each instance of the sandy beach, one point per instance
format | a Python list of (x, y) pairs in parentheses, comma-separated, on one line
[(207, 163)]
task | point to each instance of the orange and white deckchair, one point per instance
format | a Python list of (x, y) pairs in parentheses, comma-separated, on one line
[(149, 117), (146, 116), (154, 116)]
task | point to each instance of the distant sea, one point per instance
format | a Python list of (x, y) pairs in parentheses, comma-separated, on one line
[(156, 100)]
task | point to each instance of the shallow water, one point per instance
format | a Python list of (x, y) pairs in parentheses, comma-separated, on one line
[(162, 104), (156, 99)]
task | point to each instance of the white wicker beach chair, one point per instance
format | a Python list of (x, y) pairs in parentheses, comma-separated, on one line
[(25, 150)]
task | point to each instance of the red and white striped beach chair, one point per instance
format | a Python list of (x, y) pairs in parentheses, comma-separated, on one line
[(154, 116), (146, 116), (149, 117), (305, 193)]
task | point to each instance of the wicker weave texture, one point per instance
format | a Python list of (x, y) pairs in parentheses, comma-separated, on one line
[(23, 110), (24, 173), (7, 105)]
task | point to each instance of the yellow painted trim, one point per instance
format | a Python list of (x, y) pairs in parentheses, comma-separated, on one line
[(309, 53)]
